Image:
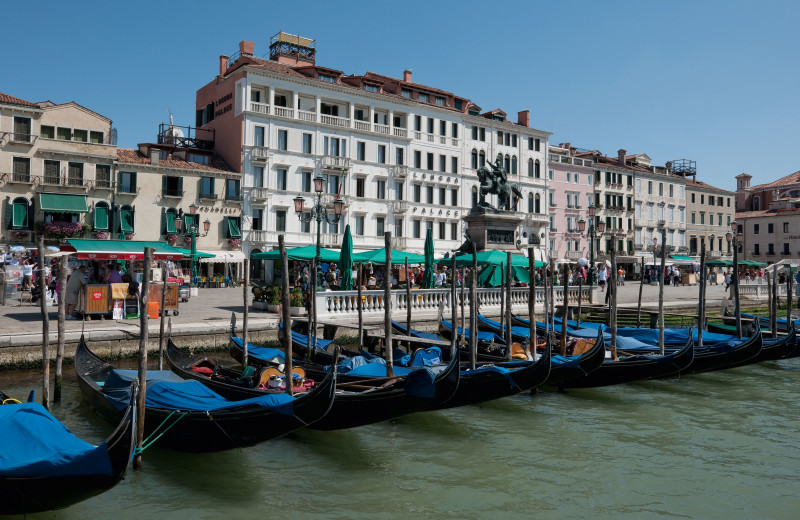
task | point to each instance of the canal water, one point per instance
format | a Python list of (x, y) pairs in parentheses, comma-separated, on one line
[(722, 445)]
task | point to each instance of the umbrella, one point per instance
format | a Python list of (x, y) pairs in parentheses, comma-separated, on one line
[(491, 275), (378, 256), (494, 257), (16, 249), (346, 261), (427, 277), (299, 253)]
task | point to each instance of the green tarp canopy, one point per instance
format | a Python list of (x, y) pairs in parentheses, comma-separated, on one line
[(120, 250), (200, 254), (491, 275), (751, 263), (719, 263), (60, 203), (378, 256), (494, 258), (683, 258), (299, 253)]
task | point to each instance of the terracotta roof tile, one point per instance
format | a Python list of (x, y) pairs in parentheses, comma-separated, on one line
[(789, 180), (11, 100), (691, 183), (129, 156)]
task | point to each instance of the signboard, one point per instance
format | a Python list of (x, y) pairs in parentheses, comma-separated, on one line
[(97, 295)]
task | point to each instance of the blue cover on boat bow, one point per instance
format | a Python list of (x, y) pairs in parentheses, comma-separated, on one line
[(36, 444), (268, 354)]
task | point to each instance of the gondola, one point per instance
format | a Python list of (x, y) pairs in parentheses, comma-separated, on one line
[(636, 367), (43, 466), (773, 349), (190, 417), (490, 381), (781, 323), (365, 400)]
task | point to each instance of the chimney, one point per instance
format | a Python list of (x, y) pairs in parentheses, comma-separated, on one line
[(154, 156), (524, 118), (407, 75), (621, 156), (223, 65), (246, 48), (669, 166), (568, 146)]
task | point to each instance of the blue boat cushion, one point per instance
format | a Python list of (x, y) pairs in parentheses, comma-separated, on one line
[(189, 396), (302, 339), (421, 382), (415, 333), (267, 354), (487, 337), (368, 367), (422, 357), (36, 444)]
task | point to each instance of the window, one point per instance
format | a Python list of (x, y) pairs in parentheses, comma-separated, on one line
[(756, 249), (258, 219), (474, 159), (454, 231), (440, 101), (430, 125), (454, 164), (513, 165), (638, 185), (258, 136), (305, 227), (399, 156), (702, 218), (537, 144), (530, 143), (398, 227), (398, 191), (232, 189), (171, 186), (483, 134), (423, 97), (100, 217), (48, 132), (360, 225), (306, 143), (650, 211), (442, 163), (96, 137), (638, 210), (102, 175), (381, 189), (306, 179), (417, 229), (280, 220), (499, 137), (530, 202), (770, 249), (417, 159), (21, 214), (417, 193), (127, 182), (550, 174), (80, 136), (127, 219), (530, 167), (729, 201), (481, 158), (22, 130), (280, 179), (328, 78), (514, 140), (785, 227), (755, 229), (65, 134), (785, 251), (282, 139), (702, 199), (430, 161), (442, 196), (454, 197), (711, 200), (405, 93), (22, 169), (360, 187), (719, 219), (770, 228), (649, 187), (537, 170), (380, 222), (382, 154), (429, 191), (693, 221), (418, 123)]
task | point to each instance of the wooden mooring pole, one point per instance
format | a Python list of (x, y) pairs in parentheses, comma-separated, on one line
[(62, 277), (387, 304), (360, 306), (246, 313), (45, 325), (612, 303), (286, 315), (507, 310), (701, 304), (641, 286), (661, 291), (143, 337), (532, 302), (453, 306), (163, 316), (473, 311), (408, 305)]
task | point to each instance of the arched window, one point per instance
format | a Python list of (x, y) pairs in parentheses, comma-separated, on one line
[(537, 170), (127, 220), (169, 221), (100, 219), (514, 165), (507, 163), (756, 203), (530, 202), (20, 213), (474, 159), (530, 167), (481, 159), (538, 205)]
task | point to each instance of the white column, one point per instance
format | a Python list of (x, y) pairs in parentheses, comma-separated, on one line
[(352, 115), (391, 121), (319, 108), (295, 104), (371, 114)]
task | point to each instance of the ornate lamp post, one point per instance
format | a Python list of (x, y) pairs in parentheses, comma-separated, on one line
[(192, 232), (318, 213), (734, 237), (594, 232)]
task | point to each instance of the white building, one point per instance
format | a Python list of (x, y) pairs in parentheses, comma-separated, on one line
[(402, 155)]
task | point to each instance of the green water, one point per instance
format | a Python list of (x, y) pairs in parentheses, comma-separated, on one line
[(723, 445)]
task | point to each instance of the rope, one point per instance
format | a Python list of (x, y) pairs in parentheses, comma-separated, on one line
[(147, 442)]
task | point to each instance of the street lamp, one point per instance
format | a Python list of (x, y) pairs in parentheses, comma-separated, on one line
[(594, 231), (734, 237), (318, 213), (192, 231)]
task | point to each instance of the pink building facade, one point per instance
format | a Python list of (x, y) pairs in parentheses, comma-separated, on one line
[(570, 178)]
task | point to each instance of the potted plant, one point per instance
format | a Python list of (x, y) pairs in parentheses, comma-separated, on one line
[(128, 236), (171, 239), (260, 295), (59, 231), (296, 307), (233, 243), (100, 235), (19, 235), (273, 298)]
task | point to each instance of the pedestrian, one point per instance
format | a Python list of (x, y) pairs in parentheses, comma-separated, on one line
[(727, 280), (621, 276), (747, 276), (760, 275), (601, 278), (75, 282), (112, 274)]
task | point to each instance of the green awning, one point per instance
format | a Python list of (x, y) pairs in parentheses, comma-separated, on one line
[(200, 254), (170, 222), (378, 256), (682, 258), (119, 250), (233, 229), (56, 202)]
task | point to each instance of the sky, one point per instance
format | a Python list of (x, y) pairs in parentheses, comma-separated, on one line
[(717, 82)]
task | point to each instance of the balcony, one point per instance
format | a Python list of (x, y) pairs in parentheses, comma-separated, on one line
[(171, 193), (400, 206), (332, 162), (261, 236), (51, 180), (207, 196), (305, 115), (284, 112), (21, 177), (127, 189), (18, 138), (259, 153), (76, 182), (400, 132), (400, 171), (340, 122), (399, 243), (259, 108), (103, 184), (364, 126), (233, 197), (331, 240), (382, 129), (258, 194), (574, 255), (532, 219)]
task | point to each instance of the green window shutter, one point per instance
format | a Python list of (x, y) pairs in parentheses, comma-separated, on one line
[(100, 218), (180, 185), (126, 220), (133, 182), (170, 222), (119, 180), (227, 228), (9, 213), (233, 228), (163, 185), (20, 218)]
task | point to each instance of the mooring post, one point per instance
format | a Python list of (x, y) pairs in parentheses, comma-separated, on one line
[(245, 297), (661, 291), (473, 311), (612, 286), (162, 318), (453, 308), (144, 289), (502, 303), (408, 305), (62, 279), (701, 304), (286, 315), (387, 304), (507, 310), (360, 307), (641, 286), (532, 302), (45, 324)]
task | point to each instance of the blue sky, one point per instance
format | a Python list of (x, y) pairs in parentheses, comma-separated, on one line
[(716, 82)]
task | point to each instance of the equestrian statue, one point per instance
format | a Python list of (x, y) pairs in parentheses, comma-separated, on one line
[(496, 181)]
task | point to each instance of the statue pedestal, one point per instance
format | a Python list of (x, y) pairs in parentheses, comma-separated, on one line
[(497, 231)]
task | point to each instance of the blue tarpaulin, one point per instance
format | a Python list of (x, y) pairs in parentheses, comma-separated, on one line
[(36, 444), (488, 337), (423, 357), (268, 354), (368, 367), (302, 339), (192, 396), (420, 382)]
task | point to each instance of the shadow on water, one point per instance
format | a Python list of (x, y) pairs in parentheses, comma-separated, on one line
[(339, 448)]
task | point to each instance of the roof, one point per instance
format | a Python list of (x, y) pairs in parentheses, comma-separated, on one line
[(129, 156), (789, 180), (691, 183), (11, 100), (767, 213)]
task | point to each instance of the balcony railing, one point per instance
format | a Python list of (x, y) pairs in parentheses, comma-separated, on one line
[(574, 254), (400, 171), (208, 196), (331, 239), (171, 193), (259, 108), (259, 193), (18, 138), (400, 206), (334, 121), (260, 235), (233, 197), (259, 153), (305, 115), (104, 184), (75, 181), (399, 243), (362, 125), (335, 162), (400, 132), (382, 129), (51, 180), (284, 112), (21, 177)]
